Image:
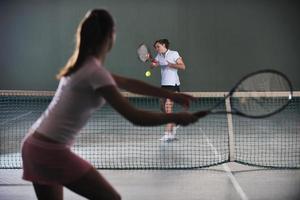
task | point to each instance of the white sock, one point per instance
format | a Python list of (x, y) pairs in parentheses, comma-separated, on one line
[(174, 130)]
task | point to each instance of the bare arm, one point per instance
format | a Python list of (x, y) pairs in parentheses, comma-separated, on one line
[(178, 65), (142, 117), (143, 88)]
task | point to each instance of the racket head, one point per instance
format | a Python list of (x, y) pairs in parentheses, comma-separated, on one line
[(143, 52), (261, 94)]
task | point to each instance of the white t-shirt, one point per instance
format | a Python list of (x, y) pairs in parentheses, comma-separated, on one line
[(169, 75), (74, 102)]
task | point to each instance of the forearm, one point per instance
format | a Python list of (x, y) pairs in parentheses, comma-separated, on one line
[(140, 87), (178, 66), (132, 114), (138, 116), (149, 118)]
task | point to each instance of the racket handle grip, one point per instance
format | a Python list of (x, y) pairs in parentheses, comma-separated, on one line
[(200, 114)]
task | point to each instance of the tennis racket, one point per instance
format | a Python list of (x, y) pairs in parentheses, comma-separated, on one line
[(144, 53), (257, 95)]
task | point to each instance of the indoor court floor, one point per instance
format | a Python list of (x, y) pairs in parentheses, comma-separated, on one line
[(229, 181)]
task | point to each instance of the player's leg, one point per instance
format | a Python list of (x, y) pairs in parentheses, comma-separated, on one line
[(175, 127), (165, 137), (48, 192), (162, 104), (169, 109), (171, 127), (167, 105), (93, 186)]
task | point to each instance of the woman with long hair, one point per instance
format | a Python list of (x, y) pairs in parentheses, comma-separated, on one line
[(84, 86)]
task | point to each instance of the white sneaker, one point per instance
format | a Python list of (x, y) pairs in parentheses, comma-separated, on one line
[(172, 137), (175, 129), (166, 138)]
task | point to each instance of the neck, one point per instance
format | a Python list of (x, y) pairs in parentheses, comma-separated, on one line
[(100, 57)]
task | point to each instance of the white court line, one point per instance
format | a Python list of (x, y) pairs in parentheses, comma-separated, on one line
[(16, 118), (233, 180)]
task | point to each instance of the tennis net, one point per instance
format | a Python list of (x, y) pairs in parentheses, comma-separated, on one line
[(109, 141)]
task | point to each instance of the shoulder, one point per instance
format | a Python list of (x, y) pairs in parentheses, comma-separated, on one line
[(92, 63), (93, 66), (94, 73), (98, 75), (173, 53)]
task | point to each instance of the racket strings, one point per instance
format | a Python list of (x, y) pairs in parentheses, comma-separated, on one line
[(143, 53), (261, 94)]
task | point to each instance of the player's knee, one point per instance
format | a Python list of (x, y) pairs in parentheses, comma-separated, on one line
[(168, 109)]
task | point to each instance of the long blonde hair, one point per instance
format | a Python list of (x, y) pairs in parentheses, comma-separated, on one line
[(93, 35)]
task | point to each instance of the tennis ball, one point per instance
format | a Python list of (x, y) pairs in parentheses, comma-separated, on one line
[(147, 73)]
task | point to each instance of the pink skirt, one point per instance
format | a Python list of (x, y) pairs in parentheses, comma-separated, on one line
[(50, 163)]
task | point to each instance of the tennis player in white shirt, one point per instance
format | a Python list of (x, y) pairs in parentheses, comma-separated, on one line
[(169, 62)]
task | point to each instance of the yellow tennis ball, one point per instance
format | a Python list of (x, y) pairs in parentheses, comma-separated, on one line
[(148, 73)]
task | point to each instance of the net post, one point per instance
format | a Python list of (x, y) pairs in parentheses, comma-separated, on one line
[(230, 131)]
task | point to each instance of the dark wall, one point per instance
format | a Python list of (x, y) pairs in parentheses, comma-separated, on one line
[(220, 40)]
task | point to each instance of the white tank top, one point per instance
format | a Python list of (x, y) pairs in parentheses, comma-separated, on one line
[(74, 102)]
